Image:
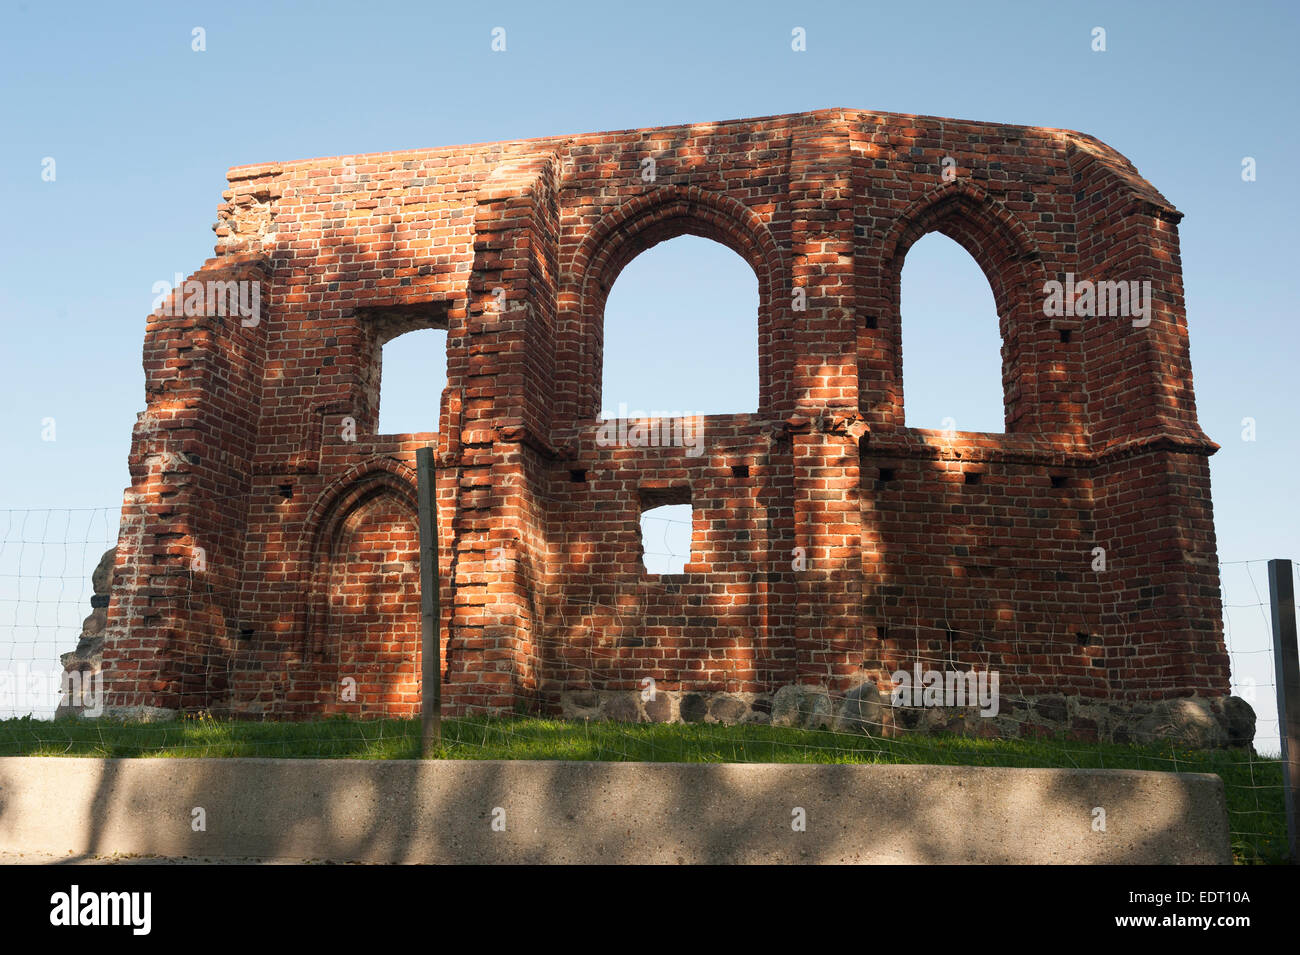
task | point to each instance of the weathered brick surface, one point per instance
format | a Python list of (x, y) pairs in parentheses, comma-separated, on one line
[(831, 544)]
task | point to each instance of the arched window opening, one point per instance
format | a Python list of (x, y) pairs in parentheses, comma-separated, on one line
[(681, 333), (952, 346), (413, 376)]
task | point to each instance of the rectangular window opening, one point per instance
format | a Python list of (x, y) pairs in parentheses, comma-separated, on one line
[(667, 520), (402, 382)]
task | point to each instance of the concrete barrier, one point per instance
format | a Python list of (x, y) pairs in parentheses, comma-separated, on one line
[(569, 812)]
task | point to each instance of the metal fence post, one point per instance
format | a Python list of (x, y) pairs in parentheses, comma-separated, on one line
[(1286, 660), (430, 604)]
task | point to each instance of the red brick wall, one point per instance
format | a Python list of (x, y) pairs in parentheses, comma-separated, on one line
[(258, 443)]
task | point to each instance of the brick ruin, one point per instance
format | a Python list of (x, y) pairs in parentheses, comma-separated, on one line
[(268, 546)]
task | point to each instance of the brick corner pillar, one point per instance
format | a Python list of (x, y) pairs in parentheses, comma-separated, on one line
[(827, 508), (494, 655), (1154, 513), (180, 544)]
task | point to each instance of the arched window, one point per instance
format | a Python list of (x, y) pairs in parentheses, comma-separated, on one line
[(681, 333), (952, 347), (413, 376)]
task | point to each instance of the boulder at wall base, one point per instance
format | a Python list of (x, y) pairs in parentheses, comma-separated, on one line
[(621, 708), (693, 708), (724, 709), (659, 708), (1188, 721), (1238, 719), (801, 707), (861, 711)]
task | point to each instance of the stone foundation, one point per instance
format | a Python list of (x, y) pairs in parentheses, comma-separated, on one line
[(1195, 722)]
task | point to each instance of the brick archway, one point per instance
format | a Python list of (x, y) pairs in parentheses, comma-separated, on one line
[(364, 611), (657, 216), (1006, 253)]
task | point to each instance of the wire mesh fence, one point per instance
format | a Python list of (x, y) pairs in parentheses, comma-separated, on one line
[(47, 558), (49, 608)]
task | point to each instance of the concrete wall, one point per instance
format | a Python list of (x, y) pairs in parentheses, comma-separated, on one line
[(570, 812)]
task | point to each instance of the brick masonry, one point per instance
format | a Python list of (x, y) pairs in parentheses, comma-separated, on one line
[(268, 549)]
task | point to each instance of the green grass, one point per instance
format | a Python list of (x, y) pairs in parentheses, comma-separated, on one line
[(1253, 784)]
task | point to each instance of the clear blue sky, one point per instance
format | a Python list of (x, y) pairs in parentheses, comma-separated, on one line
[(142, 129)]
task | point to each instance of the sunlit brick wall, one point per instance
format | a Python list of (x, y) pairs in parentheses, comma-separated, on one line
[(830, 544)]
